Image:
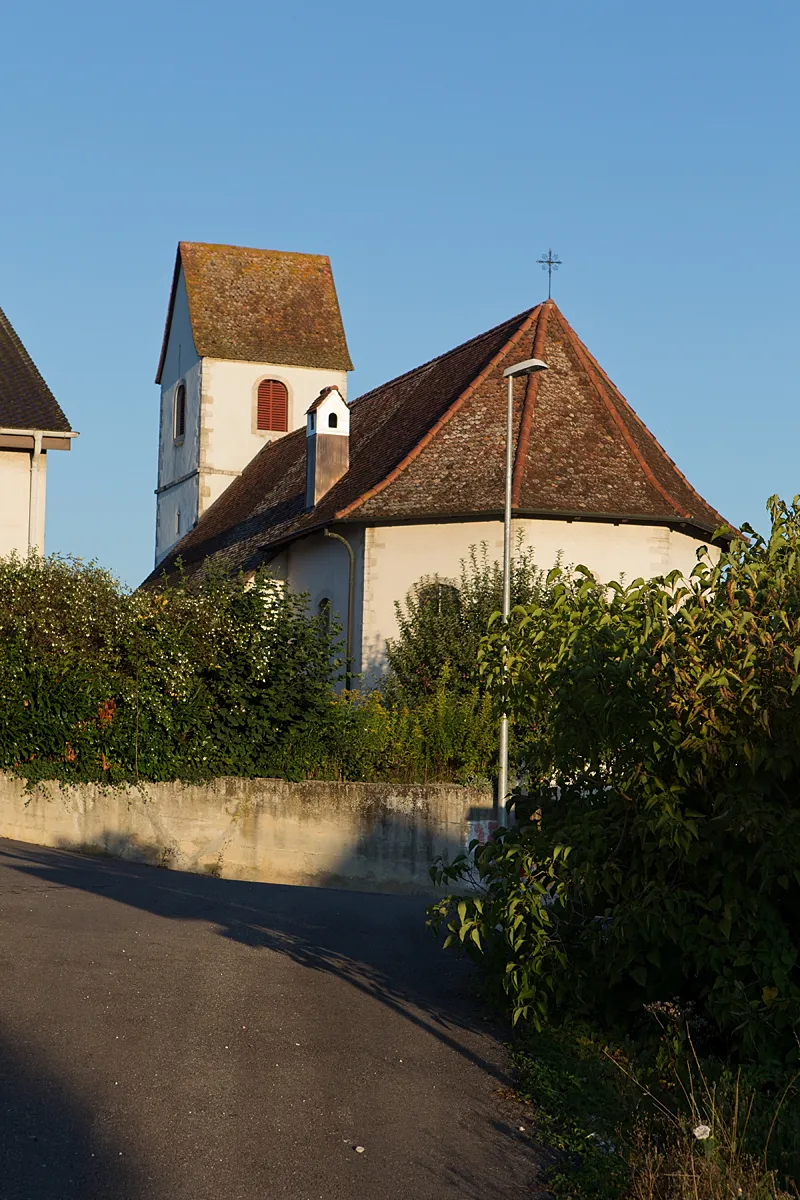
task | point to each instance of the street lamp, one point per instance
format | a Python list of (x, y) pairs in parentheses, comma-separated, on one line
[(529, 367)]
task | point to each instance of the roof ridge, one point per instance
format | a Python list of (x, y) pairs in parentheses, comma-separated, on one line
[(449, 412), (589, 365), (529, 402), (255, 249), (441, 357)]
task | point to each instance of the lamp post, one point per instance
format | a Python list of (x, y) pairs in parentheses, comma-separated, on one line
[(529, 367)]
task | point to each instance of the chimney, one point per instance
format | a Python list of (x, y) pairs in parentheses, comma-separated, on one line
[(327, 444)]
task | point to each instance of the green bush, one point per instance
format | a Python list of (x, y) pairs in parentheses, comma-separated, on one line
[(657, 853), (97, 684), (202, 681), (441, 622)]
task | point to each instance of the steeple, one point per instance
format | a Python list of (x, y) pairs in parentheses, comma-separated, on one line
[(251, 336)]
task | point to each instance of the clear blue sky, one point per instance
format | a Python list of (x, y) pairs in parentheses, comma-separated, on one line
[(433, 150)]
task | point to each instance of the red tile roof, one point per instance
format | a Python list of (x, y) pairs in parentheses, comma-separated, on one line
[(430, 444), (266, 306)]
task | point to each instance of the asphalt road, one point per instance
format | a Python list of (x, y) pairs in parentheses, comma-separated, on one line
[(176, 1037)]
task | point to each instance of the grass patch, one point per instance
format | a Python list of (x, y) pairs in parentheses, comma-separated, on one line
[(627, 1123)]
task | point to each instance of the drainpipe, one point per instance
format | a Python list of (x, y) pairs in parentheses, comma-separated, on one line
[(33, 498), (329, 533)]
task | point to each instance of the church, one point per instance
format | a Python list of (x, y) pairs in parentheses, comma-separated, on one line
[(264, 462)]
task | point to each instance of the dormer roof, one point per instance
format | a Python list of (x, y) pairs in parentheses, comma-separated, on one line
[(323, 396), (430, 445), (26, 401), (266, 306)]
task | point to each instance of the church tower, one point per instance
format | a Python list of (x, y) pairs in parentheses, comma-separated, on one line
[(251, 338)]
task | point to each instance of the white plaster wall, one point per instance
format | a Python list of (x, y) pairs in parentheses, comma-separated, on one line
[(15, 484), (396, 557), (42, 502), (177, 459), (181, 354), (320, 566), (15, 494), (180, 499), (229, 432)]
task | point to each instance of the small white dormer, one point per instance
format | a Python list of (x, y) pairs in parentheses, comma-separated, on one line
[(327, 444), (328, 414)]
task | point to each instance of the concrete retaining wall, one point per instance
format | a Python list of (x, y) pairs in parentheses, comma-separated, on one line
[(364, 836)]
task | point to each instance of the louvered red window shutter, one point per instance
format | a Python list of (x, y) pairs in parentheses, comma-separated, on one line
[(273, 405)]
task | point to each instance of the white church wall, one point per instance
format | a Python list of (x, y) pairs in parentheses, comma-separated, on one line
[(230, 436), (15, 490), (181, 354), (397, 556), (178, 460), (176, 514), (320, 566)]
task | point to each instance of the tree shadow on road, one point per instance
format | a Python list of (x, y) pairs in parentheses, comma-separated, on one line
[(48, 1150), (376, 943)]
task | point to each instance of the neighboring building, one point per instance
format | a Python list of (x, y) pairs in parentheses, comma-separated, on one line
[(31, 424), (251, 336), (418, 478)]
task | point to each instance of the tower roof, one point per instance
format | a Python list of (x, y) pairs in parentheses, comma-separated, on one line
[(431, 445), (267, 306), (26, 401)]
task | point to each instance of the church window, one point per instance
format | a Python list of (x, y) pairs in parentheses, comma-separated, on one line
[(179, 413), (324, 613), (273, 405), (333, 421), (439, 598)]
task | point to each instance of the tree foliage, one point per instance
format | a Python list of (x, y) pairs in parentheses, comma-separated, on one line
[(441, 622), (195, 682), (174, 682), (657, 853)]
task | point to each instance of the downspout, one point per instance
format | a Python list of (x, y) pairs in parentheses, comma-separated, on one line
[(329, 533), (33, 498)]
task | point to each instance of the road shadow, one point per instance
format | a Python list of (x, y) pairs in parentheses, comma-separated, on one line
[(376, 943), (48, 1150)]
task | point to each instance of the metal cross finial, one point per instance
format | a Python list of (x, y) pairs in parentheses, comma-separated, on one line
[(550, 262)]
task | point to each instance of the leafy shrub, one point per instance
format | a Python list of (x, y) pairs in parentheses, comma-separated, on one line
[(657, 853), (441, 622), (99, 684), (202, 681)]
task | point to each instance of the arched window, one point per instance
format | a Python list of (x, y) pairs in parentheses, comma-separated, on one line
[(439, 598), (333, 420), (324, 613), (273, 405), (179, 413)]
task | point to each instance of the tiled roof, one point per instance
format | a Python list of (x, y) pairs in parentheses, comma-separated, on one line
[(432, 444), (26, 401), (260, 306)]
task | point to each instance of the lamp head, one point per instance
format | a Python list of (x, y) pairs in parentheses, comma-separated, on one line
[(525, 368)]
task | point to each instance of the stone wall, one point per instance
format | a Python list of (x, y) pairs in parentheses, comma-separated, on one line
[(364, 836)]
